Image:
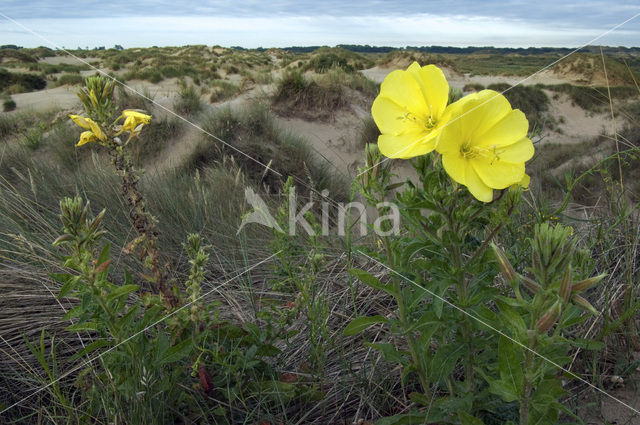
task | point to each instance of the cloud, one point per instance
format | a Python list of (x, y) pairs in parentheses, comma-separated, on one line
[(283, 23)]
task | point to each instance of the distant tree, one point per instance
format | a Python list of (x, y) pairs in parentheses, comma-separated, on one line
[(118, 47), (10, 46)]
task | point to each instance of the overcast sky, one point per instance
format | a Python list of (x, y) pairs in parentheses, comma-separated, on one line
[(280, 23)]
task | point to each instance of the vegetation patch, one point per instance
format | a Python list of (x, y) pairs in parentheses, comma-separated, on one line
[(18, 83), (298, 95)]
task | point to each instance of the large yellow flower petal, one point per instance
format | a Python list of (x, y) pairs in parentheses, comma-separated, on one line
[(81, 121), (455, 166), (450, 131), (434, 85), (510, 129), (520, 151), (138, 116), (478, 112), (86, 137), (406, 145), (403, 89), (498, 174), (390, 117), (525, 181), (95, 128), (133, 120), (477, 187)]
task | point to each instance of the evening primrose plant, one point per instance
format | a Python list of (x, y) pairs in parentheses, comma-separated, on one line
[(469, 156), (164, 352)]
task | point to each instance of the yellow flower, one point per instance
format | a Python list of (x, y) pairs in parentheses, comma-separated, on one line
[(410, 110), (133, 119), (89, 124), (86, 137), (484, 145)]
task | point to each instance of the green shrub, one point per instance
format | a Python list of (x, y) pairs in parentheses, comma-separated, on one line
[(22, 82), (594, 99), (188, 101), (157, 135), (254, 131), (69, 79), (8, 105), (368, 132), (472, 87), (222, 90), (298, 96), (129, 100), (326, 61)]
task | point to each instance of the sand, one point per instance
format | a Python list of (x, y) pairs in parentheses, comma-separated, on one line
[(335, 141)]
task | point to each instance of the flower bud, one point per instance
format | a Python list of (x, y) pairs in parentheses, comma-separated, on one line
[(565, 285), (550, 317), (530, 284), (97, 220), (62, 238), (587, 283), (102, 267), (584, 304), (505, 266)]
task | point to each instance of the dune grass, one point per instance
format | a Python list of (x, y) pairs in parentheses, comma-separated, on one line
[(206, 195)]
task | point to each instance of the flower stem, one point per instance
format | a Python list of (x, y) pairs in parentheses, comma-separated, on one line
[(143, 222)]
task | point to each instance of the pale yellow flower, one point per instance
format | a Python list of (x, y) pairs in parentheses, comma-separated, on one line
[(86, 137), (410, 109), (484, 145), (133, 120), (89, 124)]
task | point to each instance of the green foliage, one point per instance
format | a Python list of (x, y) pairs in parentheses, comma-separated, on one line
[(325, 61), (473, 87), (8, 105), (255, 132), (297, 95), (442, 334), (18, 83), (32, 138), (69, 80), (222, 90), (492, 64), (594, 99), (188, 101)]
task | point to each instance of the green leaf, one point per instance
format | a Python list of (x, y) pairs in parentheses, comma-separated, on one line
[(419, 398), (404, 419), (69, 283), (372, 281), (127, 319), (105, 254), (122, 291), (509, 364), (361, 323), (510, 318), (73, 313), (587, 344), (176, 353), (162, 344), (390, 353), (91, 348), (84, 326), (467, 419), (445, 359), (503, 390)]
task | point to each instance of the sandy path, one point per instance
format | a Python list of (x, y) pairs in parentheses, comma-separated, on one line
[(63, 97), (458, 81), (176, 153)]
